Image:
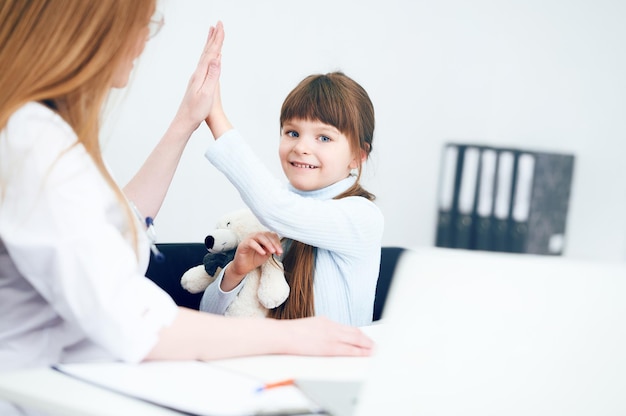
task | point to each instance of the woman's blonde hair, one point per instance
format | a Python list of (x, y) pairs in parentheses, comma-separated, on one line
[(64, 54), (339, 101)]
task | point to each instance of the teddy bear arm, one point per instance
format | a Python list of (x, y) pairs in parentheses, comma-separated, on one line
[(196, 279)]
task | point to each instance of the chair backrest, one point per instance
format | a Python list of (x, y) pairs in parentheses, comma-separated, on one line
[(180, 257), (388, 260)]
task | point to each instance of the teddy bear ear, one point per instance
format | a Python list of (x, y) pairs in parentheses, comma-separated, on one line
[(209, 241)]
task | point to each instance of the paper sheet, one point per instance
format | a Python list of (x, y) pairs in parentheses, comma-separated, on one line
[(193, 387)]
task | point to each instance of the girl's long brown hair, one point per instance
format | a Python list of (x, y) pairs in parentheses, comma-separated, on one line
[(65, 54), (337, 100)]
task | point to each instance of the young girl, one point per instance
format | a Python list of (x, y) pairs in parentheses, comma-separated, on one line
[(72, 253), (333, 228)]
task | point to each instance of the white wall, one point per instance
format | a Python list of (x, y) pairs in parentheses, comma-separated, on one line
[(541, 74)]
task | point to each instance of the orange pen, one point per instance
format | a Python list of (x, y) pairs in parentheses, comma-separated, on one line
[(281, 383)]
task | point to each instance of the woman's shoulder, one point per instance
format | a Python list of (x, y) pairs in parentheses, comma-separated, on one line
[(34, 113), (34, 122)]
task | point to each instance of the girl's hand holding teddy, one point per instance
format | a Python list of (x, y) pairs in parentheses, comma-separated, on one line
[(251, 253)]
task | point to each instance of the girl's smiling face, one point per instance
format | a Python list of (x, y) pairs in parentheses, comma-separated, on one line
[(314, 155)]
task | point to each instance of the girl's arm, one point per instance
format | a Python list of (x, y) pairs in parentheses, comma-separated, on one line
[(202, 336), (217, 120), (348, 225), (253, 251), (357, 221), (148, 187)]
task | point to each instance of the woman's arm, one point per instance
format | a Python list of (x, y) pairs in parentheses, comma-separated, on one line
[(148, 187), (202, 336)]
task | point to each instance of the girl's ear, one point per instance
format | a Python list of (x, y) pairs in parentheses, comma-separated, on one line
[(355, 162)]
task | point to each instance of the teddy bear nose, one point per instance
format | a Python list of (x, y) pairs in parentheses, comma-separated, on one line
[(209, 241)]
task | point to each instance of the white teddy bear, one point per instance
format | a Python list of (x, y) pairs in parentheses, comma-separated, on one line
[(264, 287)]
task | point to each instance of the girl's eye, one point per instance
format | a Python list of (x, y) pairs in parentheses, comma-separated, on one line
[(292, 133), (324, 139)]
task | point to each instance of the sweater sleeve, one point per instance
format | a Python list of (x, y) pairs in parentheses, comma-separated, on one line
[(215, 300)]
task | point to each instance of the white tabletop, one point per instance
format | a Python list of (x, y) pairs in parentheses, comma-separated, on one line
[(60, 394)]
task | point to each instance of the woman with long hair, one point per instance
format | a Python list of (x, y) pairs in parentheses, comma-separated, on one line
[(73, 253)]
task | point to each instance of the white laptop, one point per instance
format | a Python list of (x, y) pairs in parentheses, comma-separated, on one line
[(477, 333)]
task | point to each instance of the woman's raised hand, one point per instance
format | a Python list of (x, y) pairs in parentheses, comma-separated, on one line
[(203, 84)]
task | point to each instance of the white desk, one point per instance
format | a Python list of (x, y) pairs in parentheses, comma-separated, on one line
[(59, 394)]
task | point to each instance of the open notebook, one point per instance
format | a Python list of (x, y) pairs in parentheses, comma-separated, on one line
[(477, 333)]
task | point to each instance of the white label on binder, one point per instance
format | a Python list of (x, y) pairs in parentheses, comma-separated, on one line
[(487, 173), (505, 179), (447, 179), (523, 191), (468, 180)]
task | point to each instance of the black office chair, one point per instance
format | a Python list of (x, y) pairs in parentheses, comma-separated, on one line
[(180, 257), (388, 261)]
